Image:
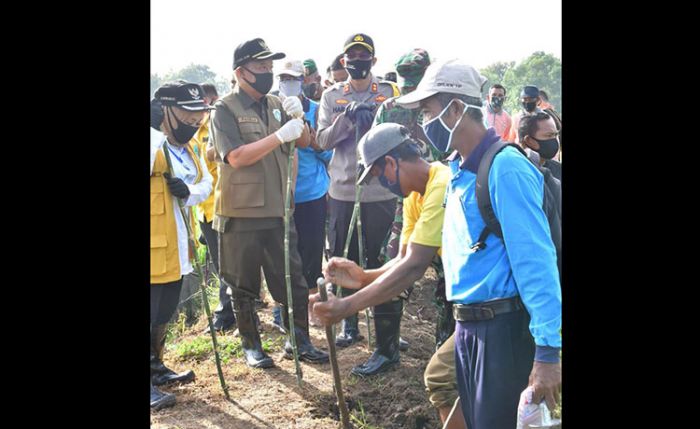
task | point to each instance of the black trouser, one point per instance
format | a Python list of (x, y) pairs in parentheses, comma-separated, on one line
[(376, 220), (223, 311), (243, 253), (310, 219), (164, 299)]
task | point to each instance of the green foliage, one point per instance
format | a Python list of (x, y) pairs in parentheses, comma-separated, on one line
[(361, 419), (495, 73), (197, 73), (539, 69), (201, 348)]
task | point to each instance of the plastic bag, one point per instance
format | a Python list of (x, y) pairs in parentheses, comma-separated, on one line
[(531, 416)]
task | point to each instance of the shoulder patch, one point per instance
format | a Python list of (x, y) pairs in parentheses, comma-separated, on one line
[(341, 101)]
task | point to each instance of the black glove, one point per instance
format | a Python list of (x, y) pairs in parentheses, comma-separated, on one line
[(177, 186), (361, 114)]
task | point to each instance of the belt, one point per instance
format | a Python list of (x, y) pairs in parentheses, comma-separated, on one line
[(486, 310)]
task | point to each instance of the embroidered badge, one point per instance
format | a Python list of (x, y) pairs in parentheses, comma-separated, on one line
[(277, 114), (346, 88), (374, 86), (194, 92)]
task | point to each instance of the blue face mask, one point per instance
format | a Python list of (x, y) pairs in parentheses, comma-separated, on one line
[(439, 134), (393, 187)]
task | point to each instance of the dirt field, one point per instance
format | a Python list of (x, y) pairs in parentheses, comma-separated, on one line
[(271, 398)]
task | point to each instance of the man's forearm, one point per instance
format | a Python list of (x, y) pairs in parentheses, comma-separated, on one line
[(372, 275), (329, 137), (251, 153), (388, 285)]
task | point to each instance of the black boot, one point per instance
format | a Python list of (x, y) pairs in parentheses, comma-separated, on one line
[(161, 374), (403, 344), (161, 400), (350, 334), (387, 321), (255, 357), (307, 351)]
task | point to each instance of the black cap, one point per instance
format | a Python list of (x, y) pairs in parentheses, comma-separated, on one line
[(255, 49), (530, 91), (182, 94), (359, 39)]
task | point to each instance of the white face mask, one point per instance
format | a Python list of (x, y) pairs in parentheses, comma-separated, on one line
[(290, 88)]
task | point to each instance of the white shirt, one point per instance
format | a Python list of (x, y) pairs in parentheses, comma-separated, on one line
[(185, 169)]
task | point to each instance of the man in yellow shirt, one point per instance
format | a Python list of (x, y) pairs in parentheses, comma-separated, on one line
[(388, 152)]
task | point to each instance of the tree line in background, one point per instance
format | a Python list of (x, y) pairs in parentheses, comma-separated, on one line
[(539, 69), (196, 73)]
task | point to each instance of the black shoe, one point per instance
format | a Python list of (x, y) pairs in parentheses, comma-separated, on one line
[(161, 400), (350, 334), (387, 319), (403, 344), (161, 374), (307, 351), (376, 364), (256, 358)]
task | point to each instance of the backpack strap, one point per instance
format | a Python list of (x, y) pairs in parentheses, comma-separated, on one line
[(483, 197)]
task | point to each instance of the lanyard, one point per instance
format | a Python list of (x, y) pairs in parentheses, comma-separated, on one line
[(182, 162)]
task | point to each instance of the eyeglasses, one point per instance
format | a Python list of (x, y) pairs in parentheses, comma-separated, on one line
[(364, 56)]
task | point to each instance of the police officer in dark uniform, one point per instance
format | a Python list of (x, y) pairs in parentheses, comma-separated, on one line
[(250, 130)]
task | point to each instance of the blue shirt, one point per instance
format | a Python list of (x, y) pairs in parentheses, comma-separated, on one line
[(312, 177), (525, 265)]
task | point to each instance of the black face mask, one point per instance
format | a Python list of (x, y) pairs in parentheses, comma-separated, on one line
[(358, 69), (310, 89), (184, 133), (529, 106), (548, 148), (497, 102), (263, 82)]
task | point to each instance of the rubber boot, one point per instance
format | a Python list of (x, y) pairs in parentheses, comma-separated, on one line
[(307, 351), (255, 357), (387, 321), (161, 400), (161, 374)]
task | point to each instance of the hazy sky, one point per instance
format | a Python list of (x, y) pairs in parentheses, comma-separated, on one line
[(480, 32)]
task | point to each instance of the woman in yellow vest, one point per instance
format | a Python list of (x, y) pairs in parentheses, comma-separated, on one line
[(178, 178)]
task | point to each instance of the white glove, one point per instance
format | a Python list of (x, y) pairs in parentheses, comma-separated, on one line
[(290, 131), (293, 107)]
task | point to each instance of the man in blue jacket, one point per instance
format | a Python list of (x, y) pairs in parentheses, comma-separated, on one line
[(500, 288)]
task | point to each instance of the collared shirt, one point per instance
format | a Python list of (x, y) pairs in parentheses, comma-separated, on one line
[(183, 169), (337, 132), (523, 263), (501, 121), (423, 214)]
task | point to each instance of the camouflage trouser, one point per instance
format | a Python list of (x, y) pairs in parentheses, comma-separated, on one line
[(392, 244)]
